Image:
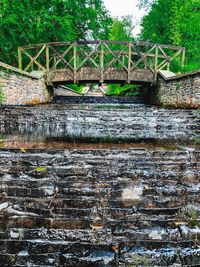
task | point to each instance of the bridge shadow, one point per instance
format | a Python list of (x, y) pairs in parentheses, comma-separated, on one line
[(59, 99)]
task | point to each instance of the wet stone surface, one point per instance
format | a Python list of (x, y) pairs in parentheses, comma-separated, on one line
[(135, 122), (100, 207)]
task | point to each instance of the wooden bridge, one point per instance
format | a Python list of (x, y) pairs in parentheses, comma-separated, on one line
[(99, 61)]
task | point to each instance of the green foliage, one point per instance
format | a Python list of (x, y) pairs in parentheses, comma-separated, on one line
[(75, 87), (121, 29), (91, 20), (175, 22), (27, 22), (126, 90), (191, 34), (41, 169)]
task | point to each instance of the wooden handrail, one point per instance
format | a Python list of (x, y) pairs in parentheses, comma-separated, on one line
[(100, 55), (11, 68)]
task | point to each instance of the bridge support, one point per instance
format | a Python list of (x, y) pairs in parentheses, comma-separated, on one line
[(18, 88), (181, 91)]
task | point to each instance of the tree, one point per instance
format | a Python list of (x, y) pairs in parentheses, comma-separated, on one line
[(27, 22), (38, 21), (145, 3), (191, 34), (90, 18), (175, 22), (121, 30)]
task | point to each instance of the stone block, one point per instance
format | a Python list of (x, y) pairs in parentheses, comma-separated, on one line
[(177, 92), (26, 90)]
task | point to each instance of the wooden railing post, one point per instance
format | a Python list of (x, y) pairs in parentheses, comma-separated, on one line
[(75, 62), (20, 58), (125, 55), (168, 66), (156, 62), (183, 58), (102, 63), (47, 58), (129, 62)]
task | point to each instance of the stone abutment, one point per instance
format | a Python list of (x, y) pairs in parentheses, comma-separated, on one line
[(17, 89)]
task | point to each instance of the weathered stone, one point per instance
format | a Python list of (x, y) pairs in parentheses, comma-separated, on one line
[(86, 221), (180, 91), (23, 90), (135, 122), (100, 206)]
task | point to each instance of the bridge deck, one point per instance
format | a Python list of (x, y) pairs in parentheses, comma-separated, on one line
[(99, 61), (111, 75)]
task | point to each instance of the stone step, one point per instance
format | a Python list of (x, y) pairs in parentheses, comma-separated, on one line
[(135, 122), (104, 256), (97, 100), (99, 207)]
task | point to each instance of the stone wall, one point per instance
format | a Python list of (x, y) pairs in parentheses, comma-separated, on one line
[(19, 89), (98, 208), (182, 91)]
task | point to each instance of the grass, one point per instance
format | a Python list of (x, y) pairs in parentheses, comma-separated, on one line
[(113, 89), (126, 90), (75, 87)]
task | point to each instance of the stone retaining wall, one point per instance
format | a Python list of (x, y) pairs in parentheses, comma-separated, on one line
[(23, 90), (182, 91)]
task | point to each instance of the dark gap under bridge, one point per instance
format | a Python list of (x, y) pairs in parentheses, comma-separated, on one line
[(99, 61)]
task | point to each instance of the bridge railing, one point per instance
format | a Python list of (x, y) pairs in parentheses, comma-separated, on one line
[(101, 55)]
